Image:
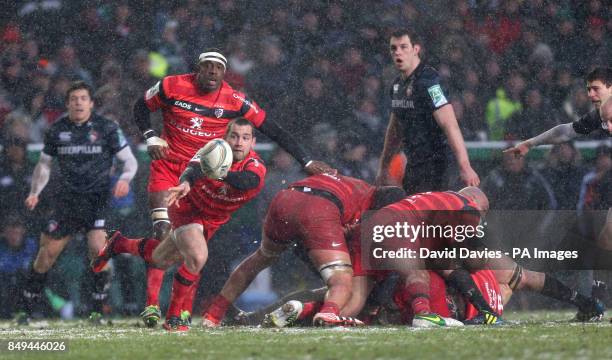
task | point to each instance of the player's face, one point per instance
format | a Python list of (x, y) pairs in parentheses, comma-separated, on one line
[(241, 140), (80, 105), (598, 92), (405, 55), (210, 75)]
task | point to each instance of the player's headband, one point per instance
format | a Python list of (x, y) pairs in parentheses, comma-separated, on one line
[(213, 56)]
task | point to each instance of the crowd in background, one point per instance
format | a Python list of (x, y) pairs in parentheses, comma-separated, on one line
[(512, 68)]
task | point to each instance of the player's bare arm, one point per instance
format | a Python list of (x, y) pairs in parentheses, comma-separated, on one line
[(446, 119), (156, 146), (558, 134), (393, 143), (40, 178)]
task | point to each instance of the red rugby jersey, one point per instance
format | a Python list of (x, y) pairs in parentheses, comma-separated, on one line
[(354, 194), (438, 208), (217, 200), (193, 118)]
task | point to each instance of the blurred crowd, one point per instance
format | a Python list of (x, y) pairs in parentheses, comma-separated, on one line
[(513, 69)]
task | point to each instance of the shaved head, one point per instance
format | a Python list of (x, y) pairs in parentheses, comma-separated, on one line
[(605, 111), (477, 196)]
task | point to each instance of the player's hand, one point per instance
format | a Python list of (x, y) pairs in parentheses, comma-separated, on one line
[(469, 177), (157, 148), (31, 201), (177, 192), (122, 188), (519, 150), (315, 167)]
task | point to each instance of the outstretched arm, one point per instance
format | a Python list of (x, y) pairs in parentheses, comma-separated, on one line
[(558, 134)]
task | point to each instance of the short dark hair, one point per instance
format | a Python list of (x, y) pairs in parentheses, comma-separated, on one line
[(414, 36), (79, 85), (603, 74), (240, 122)]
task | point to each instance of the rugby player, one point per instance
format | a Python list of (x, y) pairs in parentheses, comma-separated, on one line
[(314, 212), (196, 108), (84, 145), (202, 206)]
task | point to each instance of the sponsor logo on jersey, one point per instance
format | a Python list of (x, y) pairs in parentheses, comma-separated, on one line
[(437, 96), (196, 122), (218, 195), (65, 136), (79, 149), (604, 125), (236, 96), (99, 223), (184, 105), (402, 103), (395, 88), (191, 131), (152, 91), (52, 226)]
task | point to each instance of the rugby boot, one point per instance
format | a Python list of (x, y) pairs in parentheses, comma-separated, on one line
[(284, 316), (151, 315), (99, 262)]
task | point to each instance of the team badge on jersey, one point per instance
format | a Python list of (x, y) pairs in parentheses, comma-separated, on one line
[(196, 122), (93, 136), (218, 112), (409, 90)]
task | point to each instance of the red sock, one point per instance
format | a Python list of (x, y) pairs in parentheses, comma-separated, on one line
[(330, 307), (155, 278), (218, 308), (147, 249), (124, 245), (183, 279), (310, 308), (417, 295), (189, 298)]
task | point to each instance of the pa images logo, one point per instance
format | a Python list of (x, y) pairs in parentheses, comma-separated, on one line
[(437, 96)]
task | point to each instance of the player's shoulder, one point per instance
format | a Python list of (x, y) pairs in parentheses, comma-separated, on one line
[(180, 81), (60, 124), (254, 159), (427, 73), (104, 122)]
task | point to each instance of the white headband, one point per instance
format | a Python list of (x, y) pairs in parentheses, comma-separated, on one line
[(213, 56)]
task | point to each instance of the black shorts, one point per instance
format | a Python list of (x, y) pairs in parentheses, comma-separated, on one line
[(428, 176), (75, 212)]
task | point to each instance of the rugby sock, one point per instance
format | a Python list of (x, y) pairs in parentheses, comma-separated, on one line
[(461, 280), (146, 247), (310, 308), (189, 298), (417, 296), (330, 307), (102, 282), (557, 290), (155, 277), (32, 291), (217, 309), (183, 279)]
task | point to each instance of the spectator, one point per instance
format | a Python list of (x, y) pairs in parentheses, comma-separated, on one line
[(16, 253), (516, 186), (15, 176), (564, 173), (536, 117)]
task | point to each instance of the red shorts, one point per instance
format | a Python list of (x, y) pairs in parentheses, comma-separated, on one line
[(165, 174), (312, 220), (187, 213)]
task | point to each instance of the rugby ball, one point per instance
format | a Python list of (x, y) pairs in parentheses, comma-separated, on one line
[(216, 158)]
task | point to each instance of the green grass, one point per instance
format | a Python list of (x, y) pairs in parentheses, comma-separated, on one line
[(528, 336)]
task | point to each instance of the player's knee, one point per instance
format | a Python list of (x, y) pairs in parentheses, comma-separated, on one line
[(196, 261), (517, 279)]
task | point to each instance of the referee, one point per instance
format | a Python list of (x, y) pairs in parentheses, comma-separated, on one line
[(84, 144), (423, 121)]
